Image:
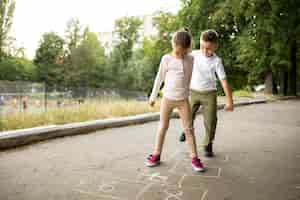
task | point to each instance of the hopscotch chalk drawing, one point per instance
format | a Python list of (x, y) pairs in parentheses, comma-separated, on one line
[(172, 196)]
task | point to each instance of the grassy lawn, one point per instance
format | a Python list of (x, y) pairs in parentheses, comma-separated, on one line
[(90, 110), (243, 93)]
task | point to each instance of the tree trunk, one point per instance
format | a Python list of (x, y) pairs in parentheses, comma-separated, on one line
[(292, 88), (274, 86), (269, 83), (283, 82)]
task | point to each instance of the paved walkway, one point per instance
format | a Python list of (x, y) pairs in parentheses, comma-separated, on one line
[(257, 148)]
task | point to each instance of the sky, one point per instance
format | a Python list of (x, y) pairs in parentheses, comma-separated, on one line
[(32, 18)]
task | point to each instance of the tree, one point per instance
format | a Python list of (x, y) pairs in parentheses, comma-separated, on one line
[(166, 24), (11, 48), (270, 28), (14, 69), (9, 70), (253, 36), (140, 69), (88, 60), (286, 20), (143, 66), (199, 15), (74, 34), (46, 59), (196, 15), (73, 37), (256, 41), (126, 34), (154, 48), (7, 8), (228, 23)]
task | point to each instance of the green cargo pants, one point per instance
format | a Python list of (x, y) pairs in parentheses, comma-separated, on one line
[(208, 101)]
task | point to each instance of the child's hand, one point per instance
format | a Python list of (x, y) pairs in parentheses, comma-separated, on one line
[(228, 107), (151, 103)]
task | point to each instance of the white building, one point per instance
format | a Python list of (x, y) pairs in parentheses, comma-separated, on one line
[(147, 29)]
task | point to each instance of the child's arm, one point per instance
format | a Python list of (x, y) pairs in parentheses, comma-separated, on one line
[(160, 76), (222, 77), (228, 94)]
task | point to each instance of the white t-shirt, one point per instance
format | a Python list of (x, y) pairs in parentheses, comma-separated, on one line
[(205, 70)]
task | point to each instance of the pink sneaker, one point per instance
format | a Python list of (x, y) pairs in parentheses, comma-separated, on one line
[(153, 160), (197, 165)]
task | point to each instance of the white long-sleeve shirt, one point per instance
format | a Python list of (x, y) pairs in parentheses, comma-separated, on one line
[(205, 71), (176, 73)]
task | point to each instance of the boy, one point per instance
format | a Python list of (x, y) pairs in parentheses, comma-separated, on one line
[(203, 87)]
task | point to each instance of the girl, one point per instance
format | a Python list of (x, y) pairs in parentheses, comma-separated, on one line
[(175, 70)]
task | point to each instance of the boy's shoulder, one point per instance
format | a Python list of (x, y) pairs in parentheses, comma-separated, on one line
[(217, 58), (195, 53)]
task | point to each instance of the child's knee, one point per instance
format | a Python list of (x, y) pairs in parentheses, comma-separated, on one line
[(163, 127), (189, 130)]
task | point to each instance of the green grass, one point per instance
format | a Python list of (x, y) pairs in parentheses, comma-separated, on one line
[(90, 110), (243, 93)]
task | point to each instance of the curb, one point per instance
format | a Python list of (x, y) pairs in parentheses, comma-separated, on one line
[(288, 98), (11, 139)]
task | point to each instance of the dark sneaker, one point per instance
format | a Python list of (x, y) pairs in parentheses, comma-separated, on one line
[(182, 137), (208, 150), (153, 160), (197, 165)]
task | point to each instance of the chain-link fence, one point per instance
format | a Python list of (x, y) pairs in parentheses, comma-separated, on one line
[(19, 96)]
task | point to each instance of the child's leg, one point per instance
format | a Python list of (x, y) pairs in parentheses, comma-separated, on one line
[(166, 108), (195, 104), (184, 111), (209, 102)]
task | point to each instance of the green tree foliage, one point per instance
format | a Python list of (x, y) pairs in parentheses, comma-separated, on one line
[(199, 15), (258, 38), (47, 57), (228, 25), (166, 24), (73, 34), (196, 15), (286, 22), (126, 35), (140, 72), (154, 48), (88, 60), (143, 65), (255, 41), (12, 68)]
